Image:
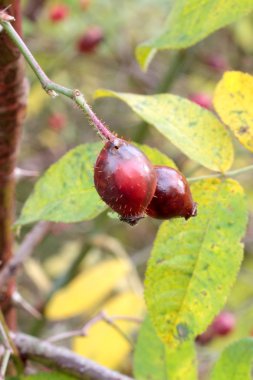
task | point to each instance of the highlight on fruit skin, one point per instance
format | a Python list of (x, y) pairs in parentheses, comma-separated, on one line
[(125, 179), (172, 196)]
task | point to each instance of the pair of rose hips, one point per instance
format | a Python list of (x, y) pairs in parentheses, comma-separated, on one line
[(128, 182)]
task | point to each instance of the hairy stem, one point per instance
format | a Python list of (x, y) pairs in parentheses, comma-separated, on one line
[(53, 88)]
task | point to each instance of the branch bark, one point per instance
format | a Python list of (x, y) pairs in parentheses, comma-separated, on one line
[(13, 91), (63, 359)]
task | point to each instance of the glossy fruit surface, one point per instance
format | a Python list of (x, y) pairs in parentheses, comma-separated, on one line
[(125, 179), (89, 41), (172, 197)]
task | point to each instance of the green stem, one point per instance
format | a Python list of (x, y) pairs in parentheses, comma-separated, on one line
[(231, 173), (53, 88)]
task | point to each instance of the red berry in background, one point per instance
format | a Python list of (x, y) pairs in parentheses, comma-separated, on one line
[(125, 179), (206, 336), (89, 41), (202, 100), (58, 13), (224, 323), (216, 62), (57, 122), (172, 196)]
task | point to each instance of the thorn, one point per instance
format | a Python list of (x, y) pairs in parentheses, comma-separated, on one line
[(18, 300), (23, 173), (5, 16)]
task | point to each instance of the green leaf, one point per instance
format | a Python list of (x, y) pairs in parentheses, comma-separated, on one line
[(233, 102), (155, 156), (235, 362), (191, 21), (193, 129), (154, 360), (66, 191), (194, 263)]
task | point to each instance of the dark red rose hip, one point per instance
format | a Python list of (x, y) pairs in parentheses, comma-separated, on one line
[(89, 41), (172, 196), (125, 179)]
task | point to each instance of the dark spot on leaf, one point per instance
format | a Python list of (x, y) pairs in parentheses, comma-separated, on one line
[(204, 293), (182, 330), (159, 261), (243, 130)]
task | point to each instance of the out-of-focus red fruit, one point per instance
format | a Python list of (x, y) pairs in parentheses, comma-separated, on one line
[(57, 122), (216, 62), (58, 12), (125, 179), (206, 336), (172, 196), (202, 100), (60, 228), (224, 323), (89, 41), (84, 4)]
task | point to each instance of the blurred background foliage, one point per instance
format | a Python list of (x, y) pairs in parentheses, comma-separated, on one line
[(107, 258)]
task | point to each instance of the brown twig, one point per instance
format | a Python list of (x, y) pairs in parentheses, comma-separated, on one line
[(63, 359), (102, 316), (26, 248)]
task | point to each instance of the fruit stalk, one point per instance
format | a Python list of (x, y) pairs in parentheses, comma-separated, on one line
[(53, 89)]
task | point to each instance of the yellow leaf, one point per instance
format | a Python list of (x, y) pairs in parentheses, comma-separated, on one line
[(103, 343), (87, 290), (233, 101), (191, 128), (59, 263), (37, 98), (36, 273)]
